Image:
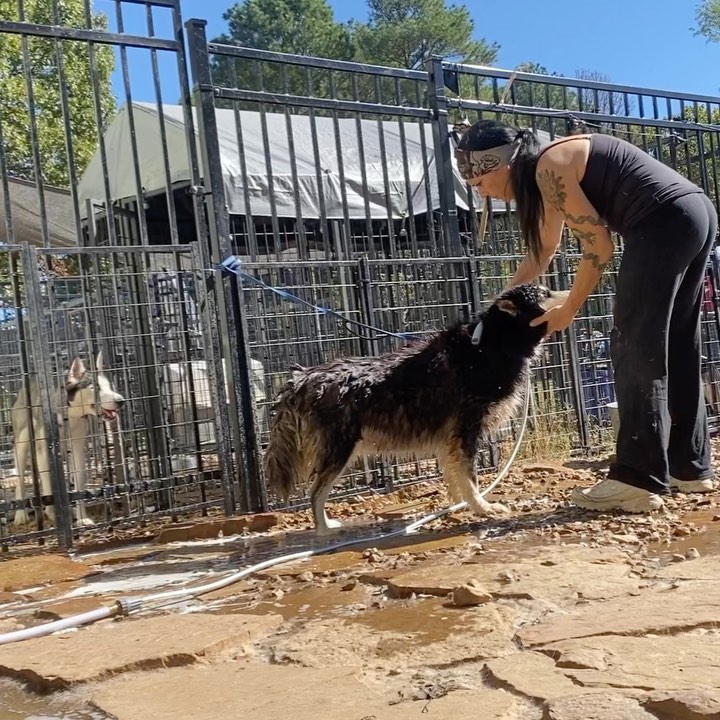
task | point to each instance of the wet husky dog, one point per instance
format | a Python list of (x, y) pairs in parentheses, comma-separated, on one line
[(438, 396), (76, 402)]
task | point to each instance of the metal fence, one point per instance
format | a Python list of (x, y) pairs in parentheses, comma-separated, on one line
[(391, 237), (333, 180), (96, 283), (124, 328)]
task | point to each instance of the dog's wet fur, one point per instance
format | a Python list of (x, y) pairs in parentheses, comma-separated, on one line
[(440, 396)]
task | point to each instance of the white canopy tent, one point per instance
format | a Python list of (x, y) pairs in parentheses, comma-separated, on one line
[(397, 154), (26, 217)]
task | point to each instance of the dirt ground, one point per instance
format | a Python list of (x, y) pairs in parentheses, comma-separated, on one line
[(551, 613)]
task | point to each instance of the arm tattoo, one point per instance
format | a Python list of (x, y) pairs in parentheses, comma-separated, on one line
[(586, 237), (552, 188), (584, 220), (594, 258)]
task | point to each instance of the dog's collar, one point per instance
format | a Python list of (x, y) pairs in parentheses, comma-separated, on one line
[(477, 333)]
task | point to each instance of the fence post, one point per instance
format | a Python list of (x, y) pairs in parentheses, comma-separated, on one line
[(474, 283), (218, 395), (443, 157), (367, 312), (43, 369), (371, 347), (575, 373), (233, 325)]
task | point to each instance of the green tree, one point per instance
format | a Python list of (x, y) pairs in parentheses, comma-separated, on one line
[(605, 102), (15, 110), (693, 152), (406, 33), (301, 27), (707, 17)]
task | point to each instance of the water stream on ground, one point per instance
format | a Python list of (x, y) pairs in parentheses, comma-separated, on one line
[(17, 704)]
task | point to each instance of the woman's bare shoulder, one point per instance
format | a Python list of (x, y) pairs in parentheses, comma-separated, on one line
[(570, 153)]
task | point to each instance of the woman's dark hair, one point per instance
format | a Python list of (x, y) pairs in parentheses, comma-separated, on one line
[(486, 134)]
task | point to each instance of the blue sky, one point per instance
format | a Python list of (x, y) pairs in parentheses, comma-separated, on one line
[(654, 48)]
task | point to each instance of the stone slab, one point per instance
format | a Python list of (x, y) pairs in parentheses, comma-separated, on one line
[(702, 568), (108, 648), (590, 575), (208, 529), (252, 691), (29, 572), (656, 611), (420, 635), (685, 705), (595, 706), (681, 662), (532, 675)]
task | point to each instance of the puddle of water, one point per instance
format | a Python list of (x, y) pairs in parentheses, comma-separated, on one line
[(706, 542), (17, 704), (311, 602), (112, 587), (422, 623)]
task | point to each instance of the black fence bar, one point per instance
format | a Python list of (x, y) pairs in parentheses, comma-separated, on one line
[(232, 319), (308, 61), (319, 103), (98, 36), (485, 71)]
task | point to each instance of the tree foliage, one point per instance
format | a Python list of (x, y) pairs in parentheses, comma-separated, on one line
[(301, 27), (15, 110), (707, 17), (399, 33), (407, 33)]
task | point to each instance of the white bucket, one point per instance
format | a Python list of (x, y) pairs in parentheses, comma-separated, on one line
[(614, 417)]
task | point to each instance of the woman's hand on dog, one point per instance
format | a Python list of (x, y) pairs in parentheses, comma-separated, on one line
[(558, 319)]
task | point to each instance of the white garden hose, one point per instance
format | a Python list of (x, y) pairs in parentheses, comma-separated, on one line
[(125, 606)]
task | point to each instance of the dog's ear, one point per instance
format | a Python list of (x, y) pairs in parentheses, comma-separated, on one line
[(507, 306), (100, 362), (76, 371)]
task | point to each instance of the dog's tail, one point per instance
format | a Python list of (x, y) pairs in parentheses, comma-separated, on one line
[(283, 460)]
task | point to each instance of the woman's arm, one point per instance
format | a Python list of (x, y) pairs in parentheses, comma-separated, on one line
[(561, 190)]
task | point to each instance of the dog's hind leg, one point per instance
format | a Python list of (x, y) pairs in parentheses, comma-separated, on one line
[(330, 467), (458, 471)]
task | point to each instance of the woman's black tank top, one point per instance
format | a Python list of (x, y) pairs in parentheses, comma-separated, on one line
[(626, 184)]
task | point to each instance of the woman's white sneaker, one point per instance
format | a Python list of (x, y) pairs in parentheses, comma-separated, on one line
[(693, 486), (614, 495)]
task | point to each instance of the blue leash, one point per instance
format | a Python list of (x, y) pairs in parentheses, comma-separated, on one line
[(233, 265)]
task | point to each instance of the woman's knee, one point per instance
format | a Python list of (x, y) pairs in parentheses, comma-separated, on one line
[(638, 361)]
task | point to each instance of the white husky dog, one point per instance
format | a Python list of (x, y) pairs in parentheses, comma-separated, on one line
[(75, 402)]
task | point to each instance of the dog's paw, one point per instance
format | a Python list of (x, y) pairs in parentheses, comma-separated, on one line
[(51, 515), (21, 518), (330, 528), (84, 522), (488, 509), (497, 509)]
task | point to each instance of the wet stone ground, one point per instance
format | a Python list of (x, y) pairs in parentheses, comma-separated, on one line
[(551, 613)]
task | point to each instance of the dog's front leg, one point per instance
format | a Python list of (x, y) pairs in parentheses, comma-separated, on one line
[(42, 455), (459, 475), (78, 460), (22, 456)]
